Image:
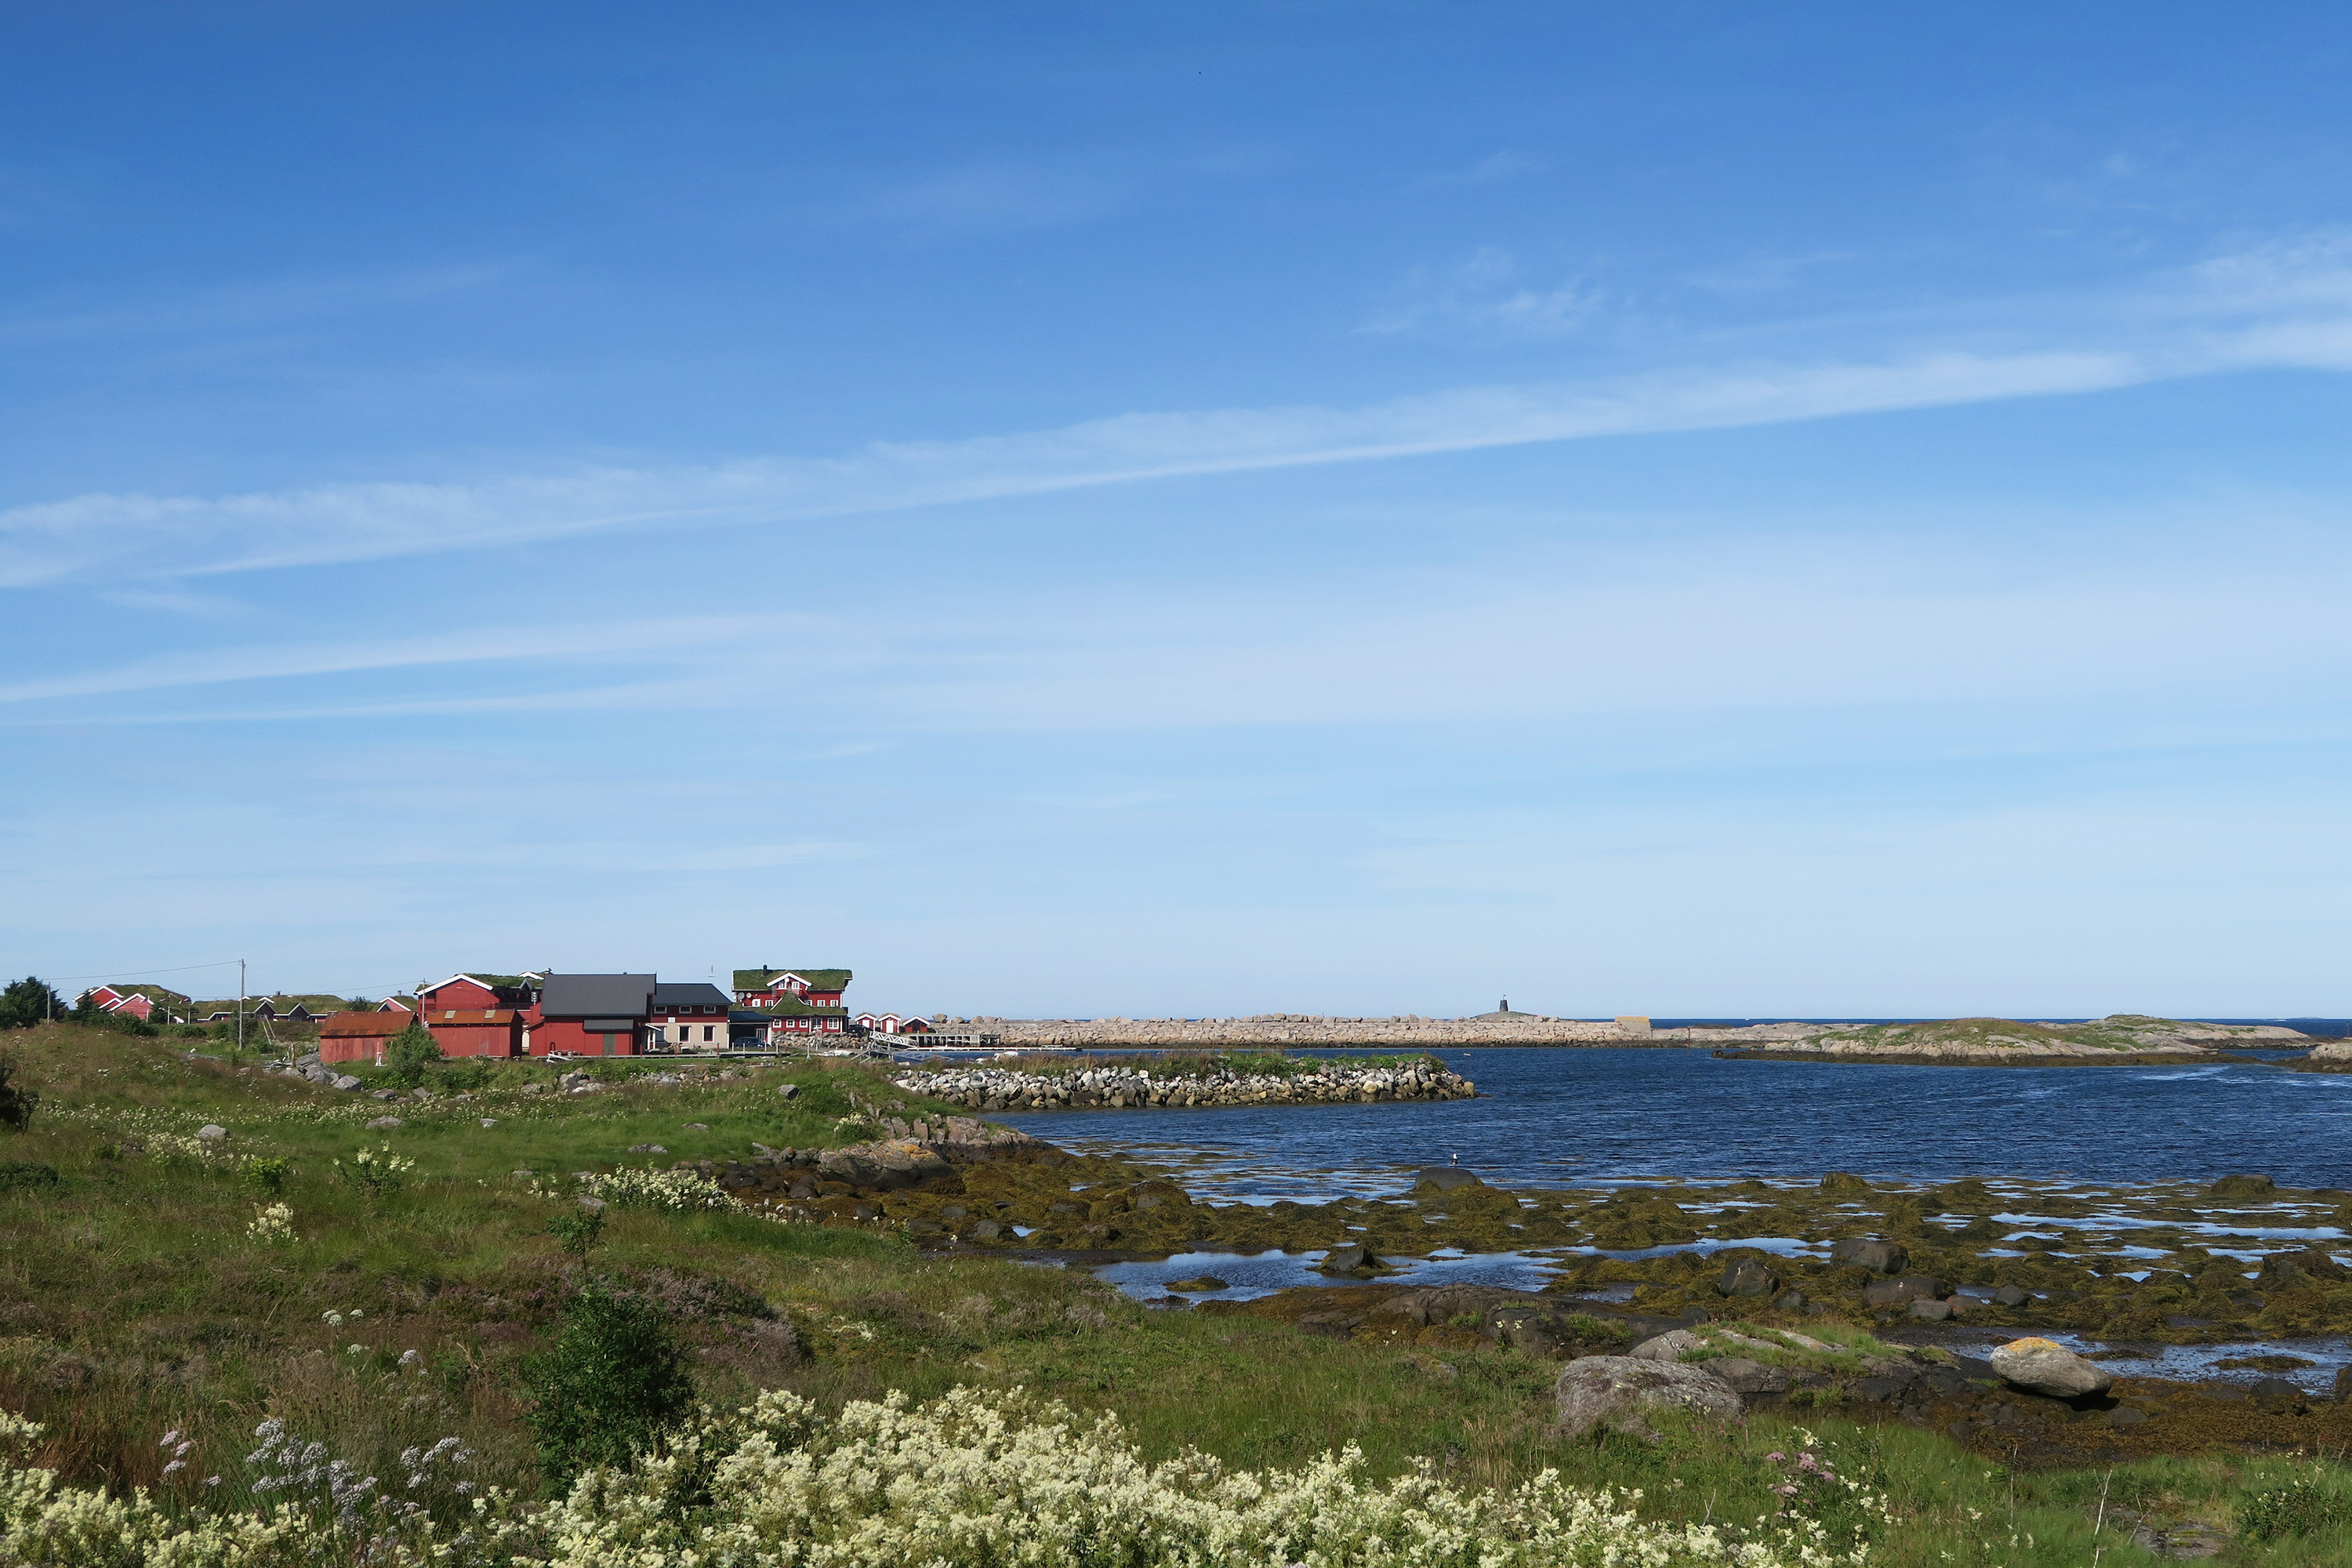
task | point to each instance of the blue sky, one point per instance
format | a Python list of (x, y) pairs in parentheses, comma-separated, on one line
[(1185, 508)]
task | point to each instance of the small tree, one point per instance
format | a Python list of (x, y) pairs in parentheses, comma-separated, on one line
[(615, 1379), (27, 1002), (16, 1102), (409, 1054)]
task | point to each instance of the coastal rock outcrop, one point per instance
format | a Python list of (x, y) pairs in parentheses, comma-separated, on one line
[(1620, 1391), (1123, 1087)]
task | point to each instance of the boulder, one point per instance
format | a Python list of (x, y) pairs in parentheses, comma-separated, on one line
[(1748, 1278), (1844, 1184), (383, 1123), (1878, 1256), (1750, 1379), (1617, 1391), (2011, 1296), (1348, 1259), (1904, 1291), (2043, 1367), (1446, 1178), (1790, 1301), (1930, 1309), (345, 1081), (787, 1090), (212, 1134)]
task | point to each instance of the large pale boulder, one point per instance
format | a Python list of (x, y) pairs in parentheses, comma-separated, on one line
[(2044, 1366), (1617, 1391)]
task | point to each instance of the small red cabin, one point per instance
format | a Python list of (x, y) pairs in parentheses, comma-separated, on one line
[(359, 1036), (474, 1031)]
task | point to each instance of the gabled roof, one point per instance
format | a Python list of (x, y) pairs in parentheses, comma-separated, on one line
[(691, 993), (792, 1007), (818, 979), (484, 978), (598, 995), (161, 995), (401, 1000)]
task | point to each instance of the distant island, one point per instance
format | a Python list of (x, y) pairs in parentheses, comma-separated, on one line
[(2122, 1037)]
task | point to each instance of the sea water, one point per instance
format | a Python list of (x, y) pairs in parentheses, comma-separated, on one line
[(1576, 1116)]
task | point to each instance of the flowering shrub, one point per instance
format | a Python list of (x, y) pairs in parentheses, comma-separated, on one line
[(678, 1192), (1839, 1506), (273, 1226), (969, 1480), (377, 1172)]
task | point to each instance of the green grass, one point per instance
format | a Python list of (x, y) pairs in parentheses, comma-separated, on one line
[(133, 1302)]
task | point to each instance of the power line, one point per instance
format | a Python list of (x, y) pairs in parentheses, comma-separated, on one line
[(111, 973)]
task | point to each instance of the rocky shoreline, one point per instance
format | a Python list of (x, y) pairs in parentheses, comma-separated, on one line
[(1138, 1087)]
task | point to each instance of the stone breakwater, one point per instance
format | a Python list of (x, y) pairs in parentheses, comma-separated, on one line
[(1119, 1088)]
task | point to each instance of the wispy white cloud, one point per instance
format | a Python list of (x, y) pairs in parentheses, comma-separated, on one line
[(491, 644), (1489, 294), (2290, 306), (153, 536), (1749, 649), (232, 307)]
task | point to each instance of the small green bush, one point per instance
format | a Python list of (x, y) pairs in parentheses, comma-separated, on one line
[(2299, 1508), (576, 1233), (269, 1174), (408, 1055), (613, 1383)]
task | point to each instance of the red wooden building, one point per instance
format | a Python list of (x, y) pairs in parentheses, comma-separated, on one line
[(359, 1036), (590, 1014), (474, 1031), (767, 987)]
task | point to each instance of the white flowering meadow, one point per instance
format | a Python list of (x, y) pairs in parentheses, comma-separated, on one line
[(675, 1191), (974, 1480)]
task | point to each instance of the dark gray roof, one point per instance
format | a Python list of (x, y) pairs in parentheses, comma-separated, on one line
[(691, 993), (603, 995)]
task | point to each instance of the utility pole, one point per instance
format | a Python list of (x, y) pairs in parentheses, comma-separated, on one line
[(240, 1006)]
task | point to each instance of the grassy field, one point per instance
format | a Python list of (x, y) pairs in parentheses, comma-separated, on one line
[(136, 1299)]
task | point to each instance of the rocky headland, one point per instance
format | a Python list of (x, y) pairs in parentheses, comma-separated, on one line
[(2122, 1038)]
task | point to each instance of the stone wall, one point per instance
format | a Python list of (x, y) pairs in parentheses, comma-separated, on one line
[(1122, 1087), (1278, 1029)]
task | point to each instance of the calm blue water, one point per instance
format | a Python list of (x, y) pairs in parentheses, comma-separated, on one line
[(1582, 1117)]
